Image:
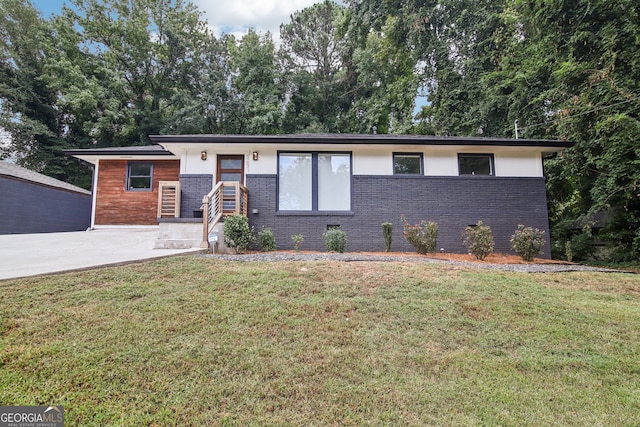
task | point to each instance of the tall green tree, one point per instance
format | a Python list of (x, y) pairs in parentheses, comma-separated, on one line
[(154, 49), (385, 86), (468, 57), (30, 108), (257, 84), (595, 94), (207, 104), (314, 58)]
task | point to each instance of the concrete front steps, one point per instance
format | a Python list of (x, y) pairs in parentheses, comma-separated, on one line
[(185, 233)]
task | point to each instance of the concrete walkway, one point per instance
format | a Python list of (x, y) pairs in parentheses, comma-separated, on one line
[(24, 255)]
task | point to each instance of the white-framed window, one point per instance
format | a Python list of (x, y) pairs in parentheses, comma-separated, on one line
[(407, 164), (314, 181), (139, 176), (475, 164)]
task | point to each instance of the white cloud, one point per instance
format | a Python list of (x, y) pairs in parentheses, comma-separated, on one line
[(237, 16)]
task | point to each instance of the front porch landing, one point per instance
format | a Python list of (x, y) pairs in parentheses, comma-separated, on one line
[(186, 233)]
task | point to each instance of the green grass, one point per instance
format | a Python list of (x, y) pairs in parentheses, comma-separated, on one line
[(195, 341)]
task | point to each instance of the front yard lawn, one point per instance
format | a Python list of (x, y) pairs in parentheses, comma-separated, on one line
[(195, 341)]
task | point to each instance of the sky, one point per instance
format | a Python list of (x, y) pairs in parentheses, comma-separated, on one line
[(225, 16)]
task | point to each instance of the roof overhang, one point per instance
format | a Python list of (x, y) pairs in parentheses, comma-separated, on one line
[(149, 152), (170, 147), (372, 140)]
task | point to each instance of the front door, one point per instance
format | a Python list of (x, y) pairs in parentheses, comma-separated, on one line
[(230, 169)]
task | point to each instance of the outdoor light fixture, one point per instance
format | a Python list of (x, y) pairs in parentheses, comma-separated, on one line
[(203, 155), (255, 155)]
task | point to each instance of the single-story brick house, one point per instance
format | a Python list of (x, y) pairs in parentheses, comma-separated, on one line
[(36, 203), (304, 184)]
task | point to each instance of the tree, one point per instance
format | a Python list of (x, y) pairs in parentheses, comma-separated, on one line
[(29, 107), (208, 103), (154, 49), (594, 97), (257, 84), (313, 57), (471, 59), (385, 86)]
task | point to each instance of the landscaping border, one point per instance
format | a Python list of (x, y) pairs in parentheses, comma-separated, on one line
[(362, 257)]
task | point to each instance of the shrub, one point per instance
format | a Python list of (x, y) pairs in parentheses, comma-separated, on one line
[(479, 240), (423, 236), (267, 240), (237, 233), (527, 242), (335, 239), (297, 241), (387, 233)]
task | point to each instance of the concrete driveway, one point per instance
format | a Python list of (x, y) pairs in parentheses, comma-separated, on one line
[(24, 255)]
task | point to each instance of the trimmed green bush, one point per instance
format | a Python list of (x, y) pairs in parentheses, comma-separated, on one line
[(267, 240), (297, 241), (335, 239), (479, 240), (423, 236), (527, 242), (387, 234), (237, 233)]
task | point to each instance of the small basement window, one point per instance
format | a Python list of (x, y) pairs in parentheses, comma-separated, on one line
[(139, 176), (407, 164), (475, 164)]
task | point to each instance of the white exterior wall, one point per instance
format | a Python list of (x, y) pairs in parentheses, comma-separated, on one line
[(518, 164), (440, 163), (192, 164), (267, 163), (371, 160)]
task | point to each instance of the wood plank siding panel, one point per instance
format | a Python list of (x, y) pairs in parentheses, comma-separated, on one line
[(117, 206)]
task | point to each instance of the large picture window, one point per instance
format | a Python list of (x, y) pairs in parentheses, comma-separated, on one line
[(475, 164), (407, 164), (314, 181), (139, 176)]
